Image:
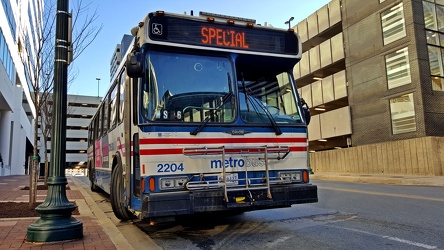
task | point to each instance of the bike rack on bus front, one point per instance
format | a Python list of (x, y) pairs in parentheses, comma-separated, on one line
[(279, 152)]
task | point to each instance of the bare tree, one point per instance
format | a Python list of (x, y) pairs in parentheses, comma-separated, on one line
[(38, 60)]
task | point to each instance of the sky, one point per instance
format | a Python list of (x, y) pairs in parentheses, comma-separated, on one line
[(118, 17)]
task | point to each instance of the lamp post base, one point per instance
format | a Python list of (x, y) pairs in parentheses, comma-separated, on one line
[(55, 222), (55, 228)]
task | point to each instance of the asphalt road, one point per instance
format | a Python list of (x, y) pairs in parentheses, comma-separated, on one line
[(347, 216)]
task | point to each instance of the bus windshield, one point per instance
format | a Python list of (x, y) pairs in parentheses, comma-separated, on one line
[(195, 88), (268, 99), (187, 88)]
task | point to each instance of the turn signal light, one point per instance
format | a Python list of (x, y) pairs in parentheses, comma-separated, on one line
[(152, 183), (142, 184), (305, 176)]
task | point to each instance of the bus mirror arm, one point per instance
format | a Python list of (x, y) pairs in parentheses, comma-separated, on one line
[(306, 111)]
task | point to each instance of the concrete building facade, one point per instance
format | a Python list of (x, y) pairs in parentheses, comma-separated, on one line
[(20, 29), (116, 59), (119, 52), (373, 73), (80, 110)]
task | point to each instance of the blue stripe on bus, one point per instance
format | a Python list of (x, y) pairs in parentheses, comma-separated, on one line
[(259, 129)]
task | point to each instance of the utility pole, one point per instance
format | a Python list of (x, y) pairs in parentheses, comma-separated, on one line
[(56, 222)]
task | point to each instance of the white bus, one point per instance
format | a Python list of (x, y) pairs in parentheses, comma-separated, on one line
[(202, 116)]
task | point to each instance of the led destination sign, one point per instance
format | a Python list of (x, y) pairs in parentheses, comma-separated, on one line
[(222, 37), (202, 33)]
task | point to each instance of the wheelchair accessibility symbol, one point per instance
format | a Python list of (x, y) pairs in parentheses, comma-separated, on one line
[(157, 29)]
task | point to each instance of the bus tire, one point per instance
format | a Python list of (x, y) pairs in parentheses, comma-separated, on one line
[(116, 195), (92, 179)]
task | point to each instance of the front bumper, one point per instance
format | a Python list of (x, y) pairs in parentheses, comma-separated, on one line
[(202, 201)]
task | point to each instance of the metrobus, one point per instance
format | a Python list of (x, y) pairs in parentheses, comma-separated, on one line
[(202, 116)]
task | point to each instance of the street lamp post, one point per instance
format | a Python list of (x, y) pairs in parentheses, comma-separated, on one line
[(98, 84), (289, 22), (56, 222)]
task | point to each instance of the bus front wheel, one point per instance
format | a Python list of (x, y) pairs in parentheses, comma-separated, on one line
[(116, 195)]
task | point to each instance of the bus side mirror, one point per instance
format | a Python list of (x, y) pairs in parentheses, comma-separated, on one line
[(134, 64), (306, 111)]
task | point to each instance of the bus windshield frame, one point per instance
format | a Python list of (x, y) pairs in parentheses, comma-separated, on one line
[(191, 88)]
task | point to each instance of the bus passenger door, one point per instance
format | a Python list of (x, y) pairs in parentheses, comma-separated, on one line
[(136, 182)]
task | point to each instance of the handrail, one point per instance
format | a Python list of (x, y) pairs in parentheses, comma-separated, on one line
[(285, 150)]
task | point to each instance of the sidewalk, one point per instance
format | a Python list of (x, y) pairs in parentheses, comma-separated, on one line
[(382, 179), (98, 231)]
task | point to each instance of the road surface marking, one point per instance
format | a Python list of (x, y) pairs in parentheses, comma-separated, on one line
[(410, 242), (384, 194), (417, 244)]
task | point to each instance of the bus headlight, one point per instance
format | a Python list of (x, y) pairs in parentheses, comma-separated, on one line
[(290, 176), (173, 182)]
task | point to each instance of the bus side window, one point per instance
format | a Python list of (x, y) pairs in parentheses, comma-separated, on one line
[(94, 130), (121, 96), (90, 133), (99, 123), (106, 114), (113, 107)]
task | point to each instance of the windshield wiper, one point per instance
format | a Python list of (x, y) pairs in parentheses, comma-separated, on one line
[(255, 102), (226, 97), (245, 92)]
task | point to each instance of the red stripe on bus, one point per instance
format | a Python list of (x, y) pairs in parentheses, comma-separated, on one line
[(298, 149), (161, 151), (219, 140), (176, 151)]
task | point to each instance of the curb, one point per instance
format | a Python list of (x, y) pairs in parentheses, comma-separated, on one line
[(392, 180), (90, 208)]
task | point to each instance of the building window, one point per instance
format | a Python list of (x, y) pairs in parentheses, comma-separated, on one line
[(437, 83), (398, 68), (436, 60), (5, 58), (403, 114), (393, 27), (434, 24), (434, 15), (434, 38), (9, 16), (430, 21)]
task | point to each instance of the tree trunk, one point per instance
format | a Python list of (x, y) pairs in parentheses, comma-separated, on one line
[(34, 168), (46, 165)]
